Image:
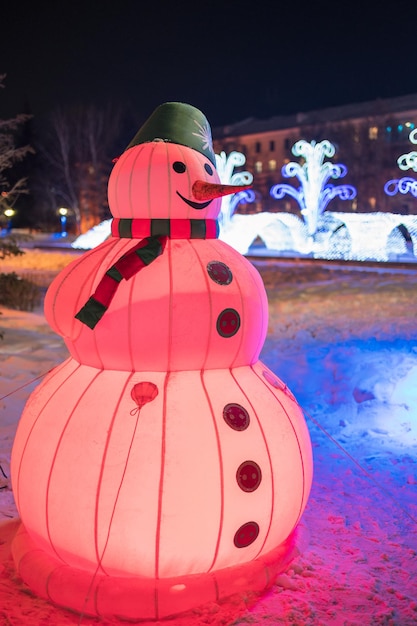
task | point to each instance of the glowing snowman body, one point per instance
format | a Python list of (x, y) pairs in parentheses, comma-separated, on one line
[(213, 472)]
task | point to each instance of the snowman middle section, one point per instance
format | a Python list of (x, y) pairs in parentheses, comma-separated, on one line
[(200, 305)]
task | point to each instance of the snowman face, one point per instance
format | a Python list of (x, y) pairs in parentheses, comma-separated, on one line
[(155, 180)]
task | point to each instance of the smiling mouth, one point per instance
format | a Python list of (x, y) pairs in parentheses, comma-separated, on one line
[(194, 205)]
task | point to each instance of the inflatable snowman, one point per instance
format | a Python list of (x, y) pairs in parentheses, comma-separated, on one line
[(162, 465)]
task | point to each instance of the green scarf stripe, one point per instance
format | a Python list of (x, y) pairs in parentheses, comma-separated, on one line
[(91, 313), (151, 251), (198, 229), (114, 273), (125, 228), (160, 227)]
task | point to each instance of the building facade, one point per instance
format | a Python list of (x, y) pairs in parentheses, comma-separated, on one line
[(369, 138)]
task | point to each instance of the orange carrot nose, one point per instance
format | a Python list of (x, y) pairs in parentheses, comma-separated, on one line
[(207, 191)]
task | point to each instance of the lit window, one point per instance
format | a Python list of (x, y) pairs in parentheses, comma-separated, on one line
[(372, 202), (373, 132), (272, 164), (258, 166), (354, 204)]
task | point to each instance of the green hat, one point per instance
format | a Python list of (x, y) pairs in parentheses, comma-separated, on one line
[(178, 123)]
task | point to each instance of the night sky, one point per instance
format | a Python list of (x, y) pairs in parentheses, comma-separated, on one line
[(231, 59)]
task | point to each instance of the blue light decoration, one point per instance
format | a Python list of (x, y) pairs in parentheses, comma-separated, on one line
[(407, 161), (225, 164), (314, 193), (241, 197), (401, 185)]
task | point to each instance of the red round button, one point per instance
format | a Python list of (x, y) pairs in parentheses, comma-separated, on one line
[(228, 323), (246, 535), (249, 476), (219, 272), (236, 416)]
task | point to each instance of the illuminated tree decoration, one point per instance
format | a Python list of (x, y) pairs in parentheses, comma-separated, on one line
[(405, 162), (314, 193), (162, 467)]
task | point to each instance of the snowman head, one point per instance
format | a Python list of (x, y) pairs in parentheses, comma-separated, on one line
[(168, 169)]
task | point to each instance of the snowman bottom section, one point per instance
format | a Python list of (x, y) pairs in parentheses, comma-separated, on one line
[(141, 599), (160, 474)]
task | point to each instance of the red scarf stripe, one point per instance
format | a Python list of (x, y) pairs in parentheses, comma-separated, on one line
[(105, 291), (129, 265), (212, 229)]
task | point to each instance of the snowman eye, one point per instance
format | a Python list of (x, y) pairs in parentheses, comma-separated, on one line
[(179, 167), (208, 169)]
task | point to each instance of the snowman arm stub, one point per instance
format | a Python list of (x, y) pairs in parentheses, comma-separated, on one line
[(142, 255)]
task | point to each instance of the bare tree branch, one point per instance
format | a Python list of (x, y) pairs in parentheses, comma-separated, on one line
[(10, 155), (75, 153)]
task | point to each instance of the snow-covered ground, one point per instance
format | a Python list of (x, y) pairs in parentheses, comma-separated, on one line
[(345, 342)]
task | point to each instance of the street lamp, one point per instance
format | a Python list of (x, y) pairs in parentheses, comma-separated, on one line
[(9, 214), (63, 212)]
